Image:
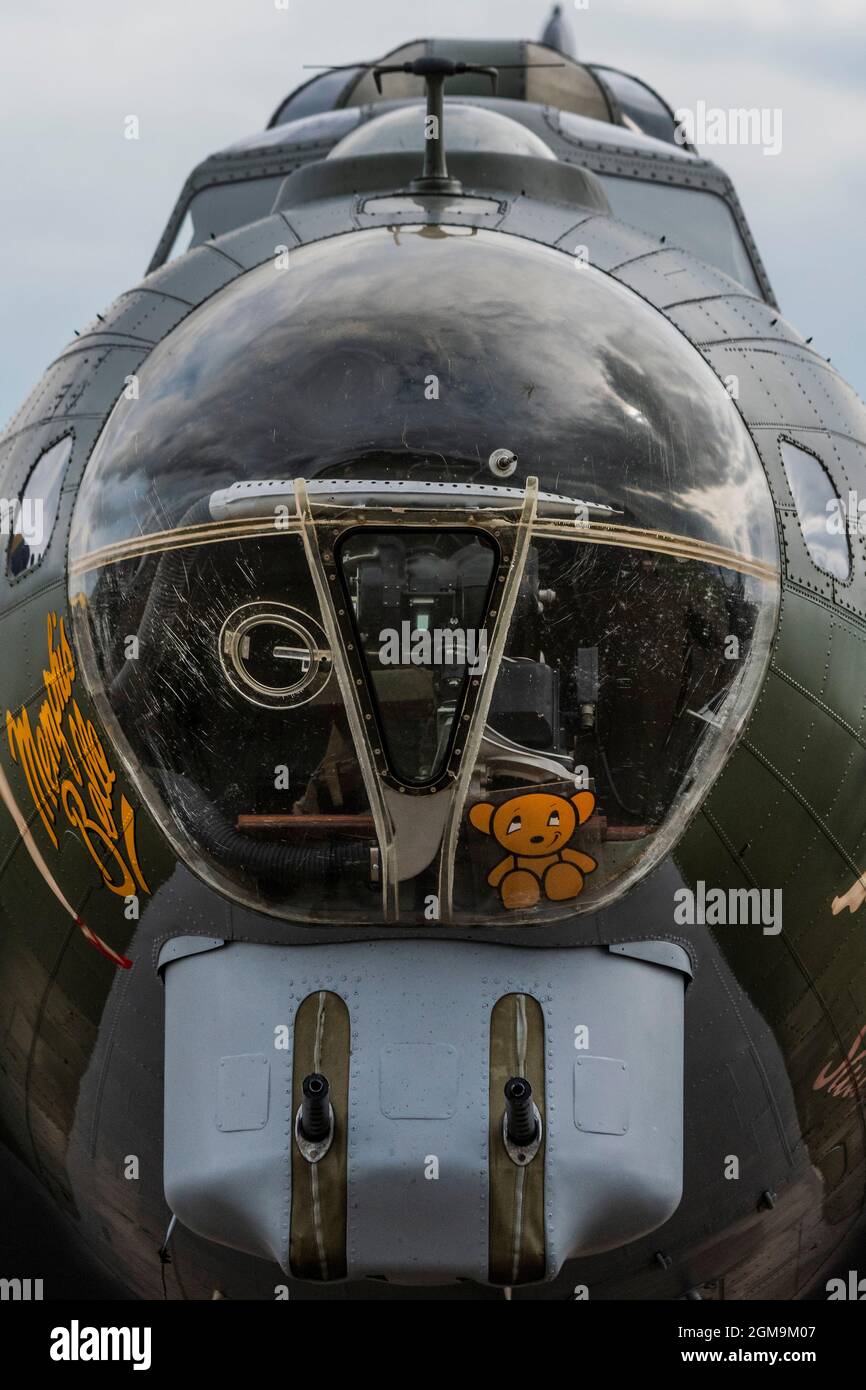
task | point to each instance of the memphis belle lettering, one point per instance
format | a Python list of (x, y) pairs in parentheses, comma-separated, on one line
[(67, 770)]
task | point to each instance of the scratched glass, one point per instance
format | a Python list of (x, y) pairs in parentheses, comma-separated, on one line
[(307, 471)]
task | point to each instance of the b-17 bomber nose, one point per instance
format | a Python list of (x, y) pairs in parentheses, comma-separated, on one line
[(433, 614), (336, 592)]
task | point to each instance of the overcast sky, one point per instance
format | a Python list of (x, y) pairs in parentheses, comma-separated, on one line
[(83, 207)]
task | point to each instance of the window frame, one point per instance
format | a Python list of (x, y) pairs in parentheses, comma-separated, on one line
[(826, 575), (31, 569)]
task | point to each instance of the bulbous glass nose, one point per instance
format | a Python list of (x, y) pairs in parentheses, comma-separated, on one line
[(391, 568)]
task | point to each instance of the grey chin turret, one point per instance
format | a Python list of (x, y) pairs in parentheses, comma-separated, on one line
[(420, 1173)]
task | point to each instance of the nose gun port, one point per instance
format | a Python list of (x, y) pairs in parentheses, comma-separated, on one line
[(521, 1122), (314, 1122)]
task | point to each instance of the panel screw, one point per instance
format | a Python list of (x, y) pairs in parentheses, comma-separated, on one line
[(502, 463)]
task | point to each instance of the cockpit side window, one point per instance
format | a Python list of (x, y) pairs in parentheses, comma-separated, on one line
[(641, 107), (223, 207), (698, 221), (819, 510), (322, 93), (33, 514)]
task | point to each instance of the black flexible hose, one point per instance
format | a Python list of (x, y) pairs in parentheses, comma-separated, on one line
[(315, 1107), (629, 810), (285, 865), (520, 1123)]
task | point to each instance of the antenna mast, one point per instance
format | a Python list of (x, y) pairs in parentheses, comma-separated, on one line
[(434, 177)]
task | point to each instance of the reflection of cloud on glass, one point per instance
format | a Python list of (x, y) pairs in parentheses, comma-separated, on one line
[(321, 370), (814, 497)]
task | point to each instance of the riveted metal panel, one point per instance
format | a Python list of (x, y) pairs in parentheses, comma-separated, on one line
[(670, 275), (249, 246), (242, 1092), (418, 1081), (601, 1095), (144, 314), (194, 276), (735, 317)]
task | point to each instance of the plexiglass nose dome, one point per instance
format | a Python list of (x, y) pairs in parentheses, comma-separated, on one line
[(452, 571), (469, 128)]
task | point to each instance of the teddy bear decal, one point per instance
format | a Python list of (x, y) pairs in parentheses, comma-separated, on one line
[(534, 829)]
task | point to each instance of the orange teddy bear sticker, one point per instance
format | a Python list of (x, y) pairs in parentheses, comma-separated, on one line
[(535, 830)]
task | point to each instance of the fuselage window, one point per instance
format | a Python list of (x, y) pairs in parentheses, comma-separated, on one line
[(34, 513), (819, 509)]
